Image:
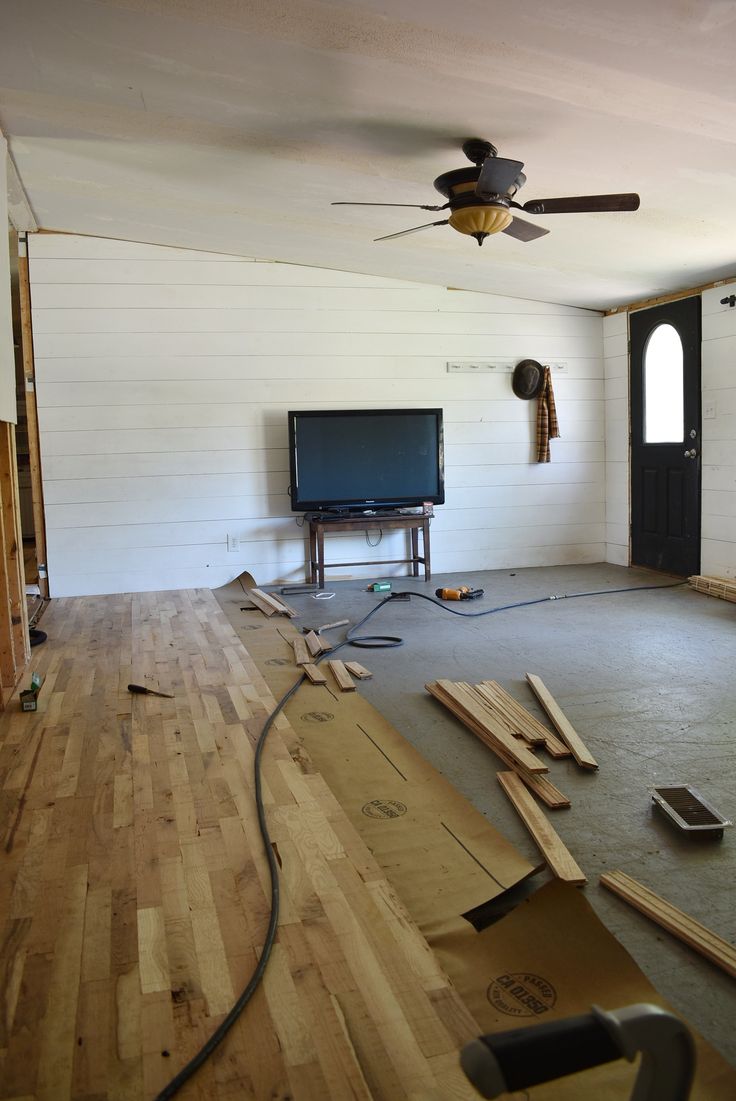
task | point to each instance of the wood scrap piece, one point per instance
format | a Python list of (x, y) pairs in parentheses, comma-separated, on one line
[(291, 612), (548, 840), (458, 697), (315, 674), (358, 670), (314, 643), (516, 710), (344, 681), (258, 598), (302, 655), (257, 595), (564, 727), (675, 921)]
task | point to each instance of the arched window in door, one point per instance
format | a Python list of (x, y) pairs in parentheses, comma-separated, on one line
[(664, 420)]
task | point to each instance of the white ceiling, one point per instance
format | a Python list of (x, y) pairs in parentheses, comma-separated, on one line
[(230, 125)]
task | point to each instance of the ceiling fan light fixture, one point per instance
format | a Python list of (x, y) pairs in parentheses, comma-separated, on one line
[(480, 221)]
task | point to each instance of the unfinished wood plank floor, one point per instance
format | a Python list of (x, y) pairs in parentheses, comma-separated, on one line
[(134, 893)]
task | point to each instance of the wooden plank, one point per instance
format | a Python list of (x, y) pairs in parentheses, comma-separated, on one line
[(344, 681), (681, 925), (519, 713), (266, 606), (564, 727), (550, 844), (315, 674), (291, 612), (358, 670), (460, 700), (314, 643), (490, 696), (301, 650), (259, 597), (544, 789)]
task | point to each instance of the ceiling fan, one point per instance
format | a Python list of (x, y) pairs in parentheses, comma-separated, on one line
[(481, 199)]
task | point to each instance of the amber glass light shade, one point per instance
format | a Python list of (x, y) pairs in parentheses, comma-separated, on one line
[(481, 219)]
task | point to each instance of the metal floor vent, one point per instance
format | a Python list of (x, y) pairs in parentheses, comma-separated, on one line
[(687, 808)]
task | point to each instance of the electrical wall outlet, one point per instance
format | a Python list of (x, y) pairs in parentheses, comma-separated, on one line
[(233, 542), (709, 410)]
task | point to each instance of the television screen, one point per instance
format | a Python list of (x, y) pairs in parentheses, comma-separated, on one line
[(360, 459)]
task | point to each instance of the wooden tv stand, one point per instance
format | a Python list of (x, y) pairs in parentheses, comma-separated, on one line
[(411, 522)]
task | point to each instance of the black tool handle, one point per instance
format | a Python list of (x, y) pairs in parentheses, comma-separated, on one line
[(528, 1056), (138, 689)]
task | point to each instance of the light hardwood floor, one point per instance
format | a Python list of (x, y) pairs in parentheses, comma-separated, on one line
[(134, 894)]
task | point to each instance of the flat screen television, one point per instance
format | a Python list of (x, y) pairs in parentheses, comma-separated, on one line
[(360, 460)]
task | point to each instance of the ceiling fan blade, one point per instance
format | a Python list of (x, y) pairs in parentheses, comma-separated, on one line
[(582, 204), (414, 206), (496, 176), (404, 232), (524, 231)]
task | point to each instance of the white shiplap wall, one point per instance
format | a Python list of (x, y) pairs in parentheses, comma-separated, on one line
[(718, 548), (616, 369), (164, 377)]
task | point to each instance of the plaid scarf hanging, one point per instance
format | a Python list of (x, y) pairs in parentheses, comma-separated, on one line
[(547, 425)]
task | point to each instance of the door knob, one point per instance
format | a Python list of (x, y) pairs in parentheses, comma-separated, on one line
[(692, 454)]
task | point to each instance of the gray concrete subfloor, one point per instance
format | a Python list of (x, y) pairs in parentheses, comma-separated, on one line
[(646, 678)]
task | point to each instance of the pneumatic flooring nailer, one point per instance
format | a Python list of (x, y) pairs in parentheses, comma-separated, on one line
[(525, 1057)]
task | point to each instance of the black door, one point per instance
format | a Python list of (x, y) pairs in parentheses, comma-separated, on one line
[(665, 437)]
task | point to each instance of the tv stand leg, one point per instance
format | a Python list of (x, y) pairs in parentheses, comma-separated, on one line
[(414, 532), (321, 556), (312, 555)]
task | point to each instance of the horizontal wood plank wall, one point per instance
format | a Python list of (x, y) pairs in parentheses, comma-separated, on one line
[(164, 377), (616, 370), (718, 539)]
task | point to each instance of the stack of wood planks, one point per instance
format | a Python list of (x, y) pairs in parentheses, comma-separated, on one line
[(723, 587), (271, 603), (507, 728)]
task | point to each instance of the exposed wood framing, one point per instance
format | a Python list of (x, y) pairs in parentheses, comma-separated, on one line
[(685, 928), (34, 442), (675, 296), (15, 649), (550, 844)]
